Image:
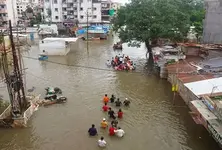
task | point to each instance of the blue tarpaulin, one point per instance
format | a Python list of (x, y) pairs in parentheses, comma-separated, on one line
[(99, 27), (94, 27), (81, 31)]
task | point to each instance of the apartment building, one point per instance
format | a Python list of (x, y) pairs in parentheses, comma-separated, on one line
[(7, 12), (22, 5), (77, 10), (116, 6)]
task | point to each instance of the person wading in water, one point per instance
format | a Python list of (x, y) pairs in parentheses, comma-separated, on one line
[(118, 103), (92, 131), (111, 113), (105, 107), (112, 99), (126, 102), (120, 114), (105, 99)]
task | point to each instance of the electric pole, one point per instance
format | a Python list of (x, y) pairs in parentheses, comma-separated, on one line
[(15, 80), (87, 30)]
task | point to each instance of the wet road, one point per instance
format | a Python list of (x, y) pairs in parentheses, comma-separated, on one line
[(151, 123)]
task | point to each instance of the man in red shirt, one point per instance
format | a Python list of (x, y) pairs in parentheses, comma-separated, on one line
[(112, 131), (105, 107), (120, 114)]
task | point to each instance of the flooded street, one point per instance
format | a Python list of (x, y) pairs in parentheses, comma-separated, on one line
[(151, 122)]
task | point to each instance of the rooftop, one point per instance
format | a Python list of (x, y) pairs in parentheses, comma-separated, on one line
[(187, 72), (208, 86)]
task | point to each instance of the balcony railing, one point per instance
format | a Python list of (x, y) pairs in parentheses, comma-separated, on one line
[(2, 2), (70, 8), (64, 12), (64, 5), (3, 18), (3, 11)]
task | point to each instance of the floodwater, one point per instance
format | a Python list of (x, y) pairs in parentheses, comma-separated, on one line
[(151, 122)]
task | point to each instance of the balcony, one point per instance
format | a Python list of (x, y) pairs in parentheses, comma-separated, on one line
[(64, 12), (105, 13), (2, 2), (105, 18), (64, 5), (70, 8), (70, 16), (3, 11), (95, 1), (3, 18)]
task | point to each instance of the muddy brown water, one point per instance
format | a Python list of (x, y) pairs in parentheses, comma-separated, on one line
[(151, 122)]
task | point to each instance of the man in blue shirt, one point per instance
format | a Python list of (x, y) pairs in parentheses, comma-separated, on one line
[(92, 131)]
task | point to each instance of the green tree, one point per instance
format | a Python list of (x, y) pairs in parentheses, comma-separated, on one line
[(197, 17), (148, 20), (38, 18), (29, 10)]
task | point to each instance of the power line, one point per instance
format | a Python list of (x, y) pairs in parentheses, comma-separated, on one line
[(81, 66), (111, 70)]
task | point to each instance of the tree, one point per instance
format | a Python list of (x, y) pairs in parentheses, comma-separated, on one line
[(196, 18), (49, 14), (38, 18), (148, 20), (29, 10)]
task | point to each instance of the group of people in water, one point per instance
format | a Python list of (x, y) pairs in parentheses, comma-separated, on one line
[(114, 129), (121, 62)]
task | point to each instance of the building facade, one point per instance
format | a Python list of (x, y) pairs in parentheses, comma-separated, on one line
[(22, 5), (13, 9), (7, 12), (81, 11), (72, 10), (213, 22)]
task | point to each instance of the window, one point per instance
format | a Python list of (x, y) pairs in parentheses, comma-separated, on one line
[(81, 1), (94, 16), (64, 9), (75, 16), (56, 9), (81, 17), (65, 17), (75, 1), (75, 8), (55, 1), (94, 8), (17, 6), (81, 8), (56, 17)]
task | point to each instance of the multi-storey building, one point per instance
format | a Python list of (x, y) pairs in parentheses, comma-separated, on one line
[(105, 7), (22, 5), (116, 6), (7, 12), (93, 11), (63, 10)]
